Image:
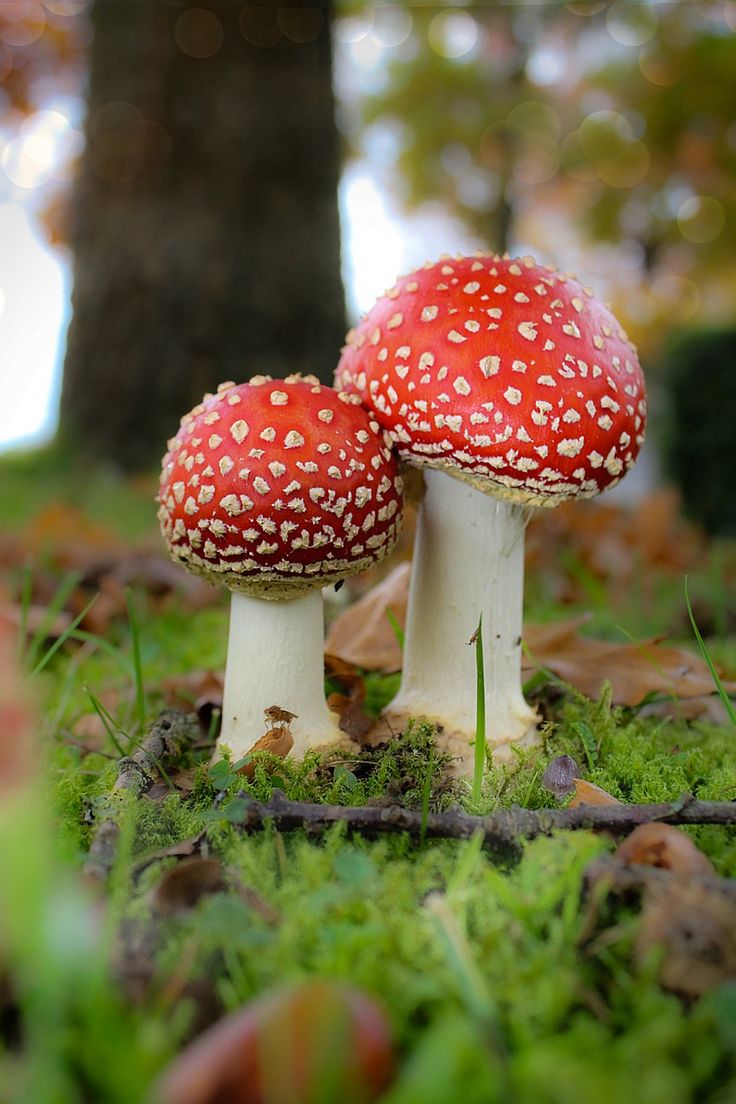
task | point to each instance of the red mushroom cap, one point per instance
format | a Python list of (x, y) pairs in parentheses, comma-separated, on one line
[(275, 487), (502, 372)]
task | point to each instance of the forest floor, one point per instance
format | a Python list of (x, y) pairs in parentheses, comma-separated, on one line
[(510, 977)]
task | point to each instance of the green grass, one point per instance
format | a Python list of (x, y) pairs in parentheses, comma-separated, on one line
[(494, 989)]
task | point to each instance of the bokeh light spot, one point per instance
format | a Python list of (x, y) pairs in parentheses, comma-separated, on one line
[(452, 34), (259, 27), (479, 189), (198, 33), (301, 25), (391, 26), (547, 64), (575, 161), (353, 28), (23, 22), (631, 23), (627, 168), (701, 219), (673, 292), (44, 142), (656, 69), (603, 133), (535, 116)]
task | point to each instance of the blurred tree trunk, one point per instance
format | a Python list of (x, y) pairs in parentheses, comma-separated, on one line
[(205, 225)]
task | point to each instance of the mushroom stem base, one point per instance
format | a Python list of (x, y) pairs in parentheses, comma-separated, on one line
[(468, 560), (275, 657)]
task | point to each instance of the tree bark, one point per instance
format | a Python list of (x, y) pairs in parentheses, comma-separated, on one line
[(205, 228)]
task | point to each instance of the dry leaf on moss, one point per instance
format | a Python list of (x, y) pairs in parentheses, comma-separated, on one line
[(587, 793), (186, 883), (277, 741)]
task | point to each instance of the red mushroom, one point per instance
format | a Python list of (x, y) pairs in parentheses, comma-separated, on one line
[(516, 381), (275, 489)]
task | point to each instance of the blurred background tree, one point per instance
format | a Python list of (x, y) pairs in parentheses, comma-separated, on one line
[(205, 228)]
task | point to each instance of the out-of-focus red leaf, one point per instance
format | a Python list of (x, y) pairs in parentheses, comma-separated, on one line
[(317, 1040), (17, 742)]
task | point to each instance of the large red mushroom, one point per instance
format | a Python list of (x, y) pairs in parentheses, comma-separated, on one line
[(275, 489), (513, 387)]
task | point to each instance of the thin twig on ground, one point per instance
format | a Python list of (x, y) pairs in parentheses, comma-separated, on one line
[(502, 831), (169, 734)]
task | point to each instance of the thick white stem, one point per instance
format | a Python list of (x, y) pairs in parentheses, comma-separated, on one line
[(468, 560), (275, 657)]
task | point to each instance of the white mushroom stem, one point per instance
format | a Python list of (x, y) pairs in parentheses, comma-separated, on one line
[(275, 657), (468, 560)]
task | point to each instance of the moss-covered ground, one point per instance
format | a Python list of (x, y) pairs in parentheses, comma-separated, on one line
[(502, 981)]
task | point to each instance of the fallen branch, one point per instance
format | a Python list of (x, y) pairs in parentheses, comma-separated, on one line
[(167, 737), (502, 831)]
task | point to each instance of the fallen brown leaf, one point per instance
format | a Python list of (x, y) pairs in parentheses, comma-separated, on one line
[(664, 846), (348, 703), (278, 741), (587, 793), (186, 883), (363, 635), (694, 930), (287, 1045), (198, 690), (634, 670)]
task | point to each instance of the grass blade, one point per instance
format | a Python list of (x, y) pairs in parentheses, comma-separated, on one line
[(480, 713), (706, 656), (55, 606), (397, 629), (107, 721), (140, 694), (62, 639)]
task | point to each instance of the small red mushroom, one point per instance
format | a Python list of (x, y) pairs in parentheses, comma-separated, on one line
[(517, 382), (275, 489)]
